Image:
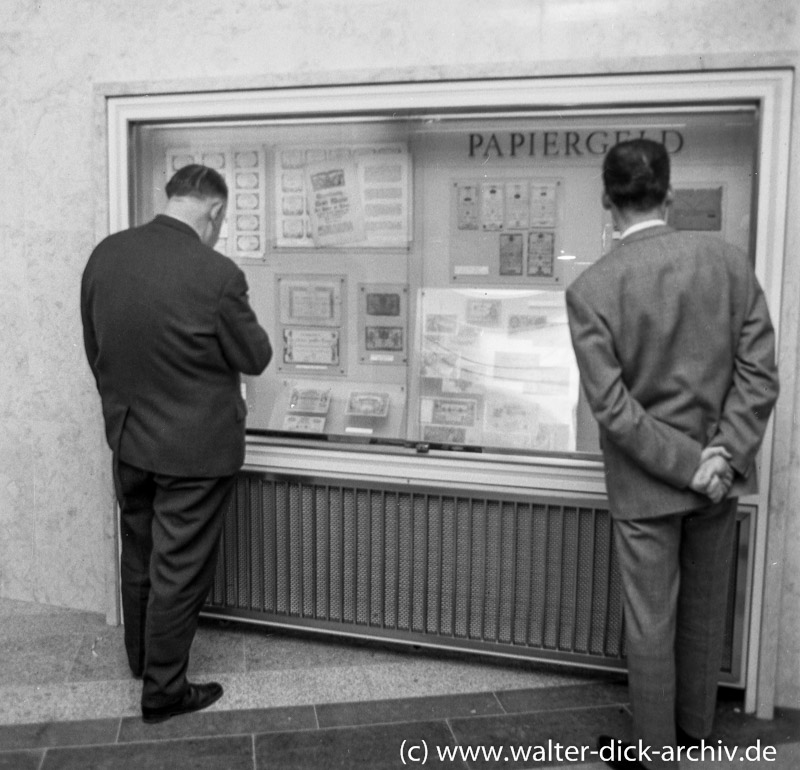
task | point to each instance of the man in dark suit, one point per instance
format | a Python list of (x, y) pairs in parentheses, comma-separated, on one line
[(167, 330), (676, 353)]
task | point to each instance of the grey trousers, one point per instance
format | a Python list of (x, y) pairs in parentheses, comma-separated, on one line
[(170, 530), (675, 574)]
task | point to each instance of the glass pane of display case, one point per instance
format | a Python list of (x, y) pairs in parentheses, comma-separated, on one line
[(411, 270), (497, 370)]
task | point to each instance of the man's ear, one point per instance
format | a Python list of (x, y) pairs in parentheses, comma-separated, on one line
[(670, 196), (606, 201), (216, 208)]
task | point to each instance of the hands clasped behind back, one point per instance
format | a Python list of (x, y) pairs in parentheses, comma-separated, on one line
[(714, 475)]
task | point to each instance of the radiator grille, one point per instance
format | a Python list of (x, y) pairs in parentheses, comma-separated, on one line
[(512, 576)]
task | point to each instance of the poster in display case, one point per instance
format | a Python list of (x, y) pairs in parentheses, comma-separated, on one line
[(336, 214), (335, 195)]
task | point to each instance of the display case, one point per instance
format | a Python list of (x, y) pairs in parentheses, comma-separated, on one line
[(411, 269), (407, 247)]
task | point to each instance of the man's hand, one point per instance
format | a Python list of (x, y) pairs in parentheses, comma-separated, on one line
[(714, 475)]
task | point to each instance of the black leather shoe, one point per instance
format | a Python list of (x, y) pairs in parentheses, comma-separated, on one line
[(618, 762), (686, 740), (197, 697)]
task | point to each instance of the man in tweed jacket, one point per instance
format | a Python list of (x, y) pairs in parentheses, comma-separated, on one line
[(676, 353)]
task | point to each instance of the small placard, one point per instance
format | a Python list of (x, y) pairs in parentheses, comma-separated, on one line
[(698, 209), (471, 270)]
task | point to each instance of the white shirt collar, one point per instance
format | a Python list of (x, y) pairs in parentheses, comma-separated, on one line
[(642, 226)]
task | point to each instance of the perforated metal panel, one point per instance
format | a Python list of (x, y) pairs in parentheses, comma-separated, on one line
[(517, 577)]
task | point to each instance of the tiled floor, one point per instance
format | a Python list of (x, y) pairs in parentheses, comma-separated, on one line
[(67, 701)]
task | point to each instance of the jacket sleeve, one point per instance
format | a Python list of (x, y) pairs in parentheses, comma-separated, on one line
[(661, 450), (754, 387), (244, 342)]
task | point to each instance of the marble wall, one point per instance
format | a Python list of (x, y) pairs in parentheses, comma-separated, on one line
[(56, 501)]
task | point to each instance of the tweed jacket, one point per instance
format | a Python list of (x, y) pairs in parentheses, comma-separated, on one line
[(167, 329), (676, 352)]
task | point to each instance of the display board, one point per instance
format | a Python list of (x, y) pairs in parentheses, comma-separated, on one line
[(497, 370), (383, 324), (505, 231), (310, 314), (353, 409)]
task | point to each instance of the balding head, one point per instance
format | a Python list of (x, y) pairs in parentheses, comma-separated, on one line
[(197, 195)]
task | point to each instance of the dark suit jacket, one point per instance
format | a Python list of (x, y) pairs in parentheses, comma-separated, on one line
[(676, 352), (167, 330)]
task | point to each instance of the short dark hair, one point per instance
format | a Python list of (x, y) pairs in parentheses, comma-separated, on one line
[(636, 174), (197, 181)]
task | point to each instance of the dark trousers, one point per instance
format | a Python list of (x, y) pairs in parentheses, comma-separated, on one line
[(675, 573), (170, 529)]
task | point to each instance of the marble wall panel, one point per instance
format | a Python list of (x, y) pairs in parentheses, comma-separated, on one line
[(74, 505), (12, 256), (17, 511), (14, 342), (58, 173), (788, 690), (212, 39), (12, 199), (61, 387)]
